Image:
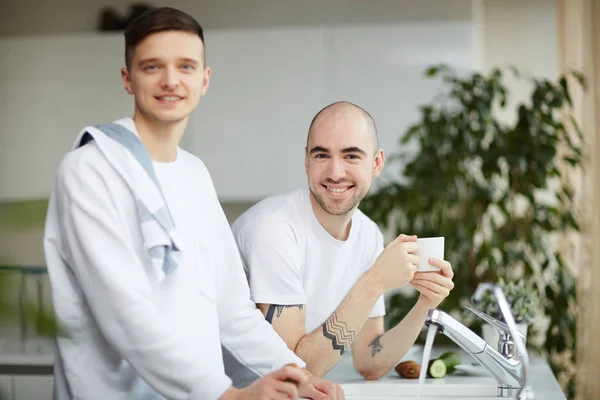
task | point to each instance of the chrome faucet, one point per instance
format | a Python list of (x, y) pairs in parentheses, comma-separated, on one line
[(509, 364)]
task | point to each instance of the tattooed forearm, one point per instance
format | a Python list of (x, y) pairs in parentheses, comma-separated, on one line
[(376, 345), (279, 309), (337, 331)]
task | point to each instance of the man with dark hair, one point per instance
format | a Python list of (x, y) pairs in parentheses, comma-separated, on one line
[(316, 265), (146, 277), (160, 20)]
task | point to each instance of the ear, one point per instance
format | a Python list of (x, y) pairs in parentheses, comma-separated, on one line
[(126, 77), (206, 81), (378, 163)]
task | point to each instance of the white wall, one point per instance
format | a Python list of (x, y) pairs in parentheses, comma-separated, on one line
[(519, 32), (33, 17), (523, 34), (268, 82)]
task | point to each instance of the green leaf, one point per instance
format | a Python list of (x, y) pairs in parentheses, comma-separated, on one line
[(412, 131), (576, 127), (565, 88), (571, 160), (434, 70), (580, 78)]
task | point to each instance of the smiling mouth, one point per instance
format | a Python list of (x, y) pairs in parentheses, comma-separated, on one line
[(169, 98), (337, 190)]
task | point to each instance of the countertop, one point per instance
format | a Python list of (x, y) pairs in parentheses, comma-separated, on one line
[(477, 384), (474, 385)]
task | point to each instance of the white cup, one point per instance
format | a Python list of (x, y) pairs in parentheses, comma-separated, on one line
[(429, 247)]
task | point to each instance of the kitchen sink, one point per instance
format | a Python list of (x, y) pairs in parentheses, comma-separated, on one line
[(453, 386)]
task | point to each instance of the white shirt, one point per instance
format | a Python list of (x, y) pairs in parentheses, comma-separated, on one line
[(131, 335), (290, 258)]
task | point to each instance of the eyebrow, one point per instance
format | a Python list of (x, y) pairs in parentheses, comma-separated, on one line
[(151, 60), (190, 60), (354, 150), (319, 149), (148, 60)]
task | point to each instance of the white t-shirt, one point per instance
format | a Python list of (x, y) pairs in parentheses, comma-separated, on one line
[(131, 335), (290, 258)]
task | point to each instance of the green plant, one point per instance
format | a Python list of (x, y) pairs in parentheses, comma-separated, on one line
[(15, 216), (523, 301), (497, 191), (39, 316)]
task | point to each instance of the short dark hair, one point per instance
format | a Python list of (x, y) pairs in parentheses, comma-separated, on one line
[(159, 19)]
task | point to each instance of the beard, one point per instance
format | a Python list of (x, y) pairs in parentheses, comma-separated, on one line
[(338, 206)]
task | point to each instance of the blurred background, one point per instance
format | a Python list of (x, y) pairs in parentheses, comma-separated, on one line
[(275, 64)]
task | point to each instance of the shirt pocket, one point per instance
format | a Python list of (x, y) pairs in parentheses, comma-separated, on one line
[(207, 272)]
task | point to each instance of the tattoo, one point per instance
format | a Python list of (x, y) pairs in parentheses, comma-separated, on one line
[(337, 331), (376, 345), (273, 307)]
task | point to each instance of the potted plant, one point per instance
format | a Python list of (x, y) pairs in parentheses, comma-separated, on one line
[(523, 301), (498, 190)]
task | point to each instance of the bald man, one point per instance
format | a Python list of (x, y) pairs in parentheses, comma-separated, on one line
[(317, 266)]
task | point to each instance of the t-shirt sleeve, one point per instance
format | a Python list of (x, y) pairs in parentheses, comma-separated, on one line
[(272, 259), (379, 308)]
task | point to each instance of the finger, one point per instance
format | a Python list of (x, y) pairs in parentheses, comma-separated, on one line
[(289, 372), (313, 393), (333, 390), (432, 296), (411, 247), (289, 389), (404, 238), (414, 259), (444, 266), (412, 268), (407, 238), (337, 392), (435, 278), (432, 287), (435, 281)]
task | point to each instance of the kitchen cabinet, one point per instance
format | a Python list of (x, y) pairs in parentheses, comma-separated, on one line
[(7, 391), (27, 387), (26, 376)]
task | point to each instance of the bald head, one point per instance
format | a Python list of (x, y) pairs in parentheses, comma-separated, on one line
[(345, 110)]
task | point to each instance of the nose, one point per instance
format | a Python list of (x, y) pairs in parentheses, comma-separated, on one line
[(336, 171), (170, 78)]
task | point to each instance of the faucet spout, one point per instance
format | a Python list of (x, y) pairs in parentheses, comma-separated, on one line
[(510, 370), (506, 372)]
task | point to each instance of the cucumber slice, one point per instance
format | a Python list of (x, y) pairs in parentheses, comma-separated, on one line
[(437, 368), (451, 359)]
